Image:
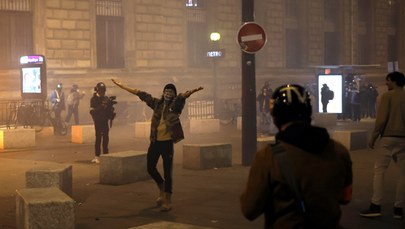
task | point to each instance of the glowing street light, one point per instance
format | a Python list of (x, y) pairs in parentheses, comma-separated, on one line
[(215, 36)]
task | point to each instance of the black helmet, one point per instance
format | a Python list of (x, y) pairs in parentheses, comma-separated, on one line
[(290, 103), (100, 88)]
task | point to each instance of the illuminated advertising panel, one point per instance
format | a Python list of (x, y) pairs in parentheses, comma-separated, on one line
[(33, 77), (330, 93)]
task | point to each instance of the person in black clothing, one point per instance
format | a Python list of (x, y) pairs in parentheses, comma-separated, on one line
[(372, 95), (302, 179), (100, 110), (326, 95)]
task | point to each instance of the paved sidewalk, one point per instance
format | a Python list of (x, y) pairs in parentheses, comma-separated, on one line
[(203, 198)]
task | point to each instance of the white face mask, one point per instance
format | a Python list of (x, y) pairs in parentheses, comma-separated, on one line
[(168, 94)]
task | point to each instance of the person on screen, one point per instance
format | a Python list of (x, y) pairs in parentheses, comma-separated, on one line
[(32, 83), (326, 95)]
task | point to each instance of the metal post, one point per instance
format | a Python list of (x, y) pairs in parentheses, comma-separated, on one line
[(249, 139), (214, 61)]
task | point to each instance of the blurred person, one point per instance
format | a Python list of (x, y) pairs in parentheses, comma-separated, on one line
[(355, 101), (101, 111), (58, 105), (302, 179), (72, 101), (264, 110), (390, 130), (166, 130), (372, 95)]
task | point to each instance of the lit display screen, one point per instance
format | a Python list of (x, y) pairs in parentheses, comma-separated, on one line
[(330, 89), (31, 80)]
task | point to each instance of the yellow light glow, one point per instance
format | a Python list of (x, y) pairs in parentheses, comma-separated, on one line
[(215, 36)]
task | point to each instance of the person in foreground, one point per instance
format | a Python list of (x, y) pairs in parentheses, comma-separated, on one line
[(390, 127), (166, 130), (302, 179)]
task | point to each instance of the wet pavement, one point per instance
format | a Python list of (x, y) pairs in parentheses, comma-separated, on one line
[(204, 198)]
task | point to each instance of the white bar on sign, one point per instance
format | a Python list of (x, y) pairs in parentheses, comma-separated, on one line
[(252, 37)]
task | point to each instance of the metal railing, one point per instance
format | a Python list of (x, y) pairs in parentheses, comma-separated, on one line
[(200, 109), (14, 113)]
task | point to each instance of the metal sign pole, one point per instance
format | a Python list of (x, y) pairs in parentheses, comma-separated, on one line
[(249, 139)]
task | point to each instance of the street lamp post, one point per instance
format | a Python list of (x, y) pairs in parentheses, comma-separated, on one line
[(215, 37)]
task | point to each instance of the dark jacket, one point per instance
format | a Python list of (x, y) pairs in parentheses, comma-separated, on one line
[(322, 169), (171, 115), (98, 108)]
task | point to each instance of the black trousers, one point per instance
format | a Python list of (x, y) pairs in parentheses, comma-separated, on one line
[(102, 130), (164, 149)]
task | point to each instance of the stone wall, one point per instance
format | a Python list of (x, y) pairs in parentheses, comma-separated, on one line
[(67, 32), (155, 45)]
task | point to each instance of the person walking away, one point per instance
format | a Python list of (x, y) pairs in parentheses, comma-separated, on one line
[(101, 110), (302, 179), (58, 105), (166, 130), (390, 130), (72, 101)]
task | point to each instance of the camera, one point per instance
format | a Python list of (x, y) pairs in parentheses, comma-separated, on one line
[(113, 100), (110, 108)]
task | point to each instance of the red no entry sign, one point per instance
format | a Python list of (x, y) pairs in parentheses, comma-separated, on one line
[(251, 37)]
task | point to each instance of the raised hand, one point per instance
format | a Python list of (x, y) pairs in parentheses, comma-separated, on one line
[(119, 84)]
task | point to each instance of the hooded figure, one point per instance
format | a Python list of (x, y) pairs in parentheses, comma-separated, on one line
[(300, 181)]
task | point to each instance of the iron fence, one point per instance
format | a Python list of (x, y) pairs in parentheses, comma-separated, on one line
[(200, 109)]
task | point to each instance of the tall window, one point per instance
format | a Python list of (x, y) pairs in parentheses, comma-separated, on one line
[(392, 48), (16, 32), (332, 32), (364, 15), (392, 34), (332, 49), (293, 49), (292, 8), (293, 39), (110, 34), (197, 36), (363, 56), (331, 10), (364, 10)]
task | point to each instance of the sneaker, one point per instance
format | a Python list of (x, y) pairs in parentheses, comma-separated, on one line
[(95, 160), (398, 213), (372, 212)]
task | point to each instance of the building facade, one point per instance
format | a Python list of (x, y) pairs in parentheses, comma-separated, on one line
[(147, 43)]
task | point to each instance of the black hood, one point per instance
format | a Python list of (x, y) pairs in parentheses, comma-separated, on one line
[(304, 136)]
